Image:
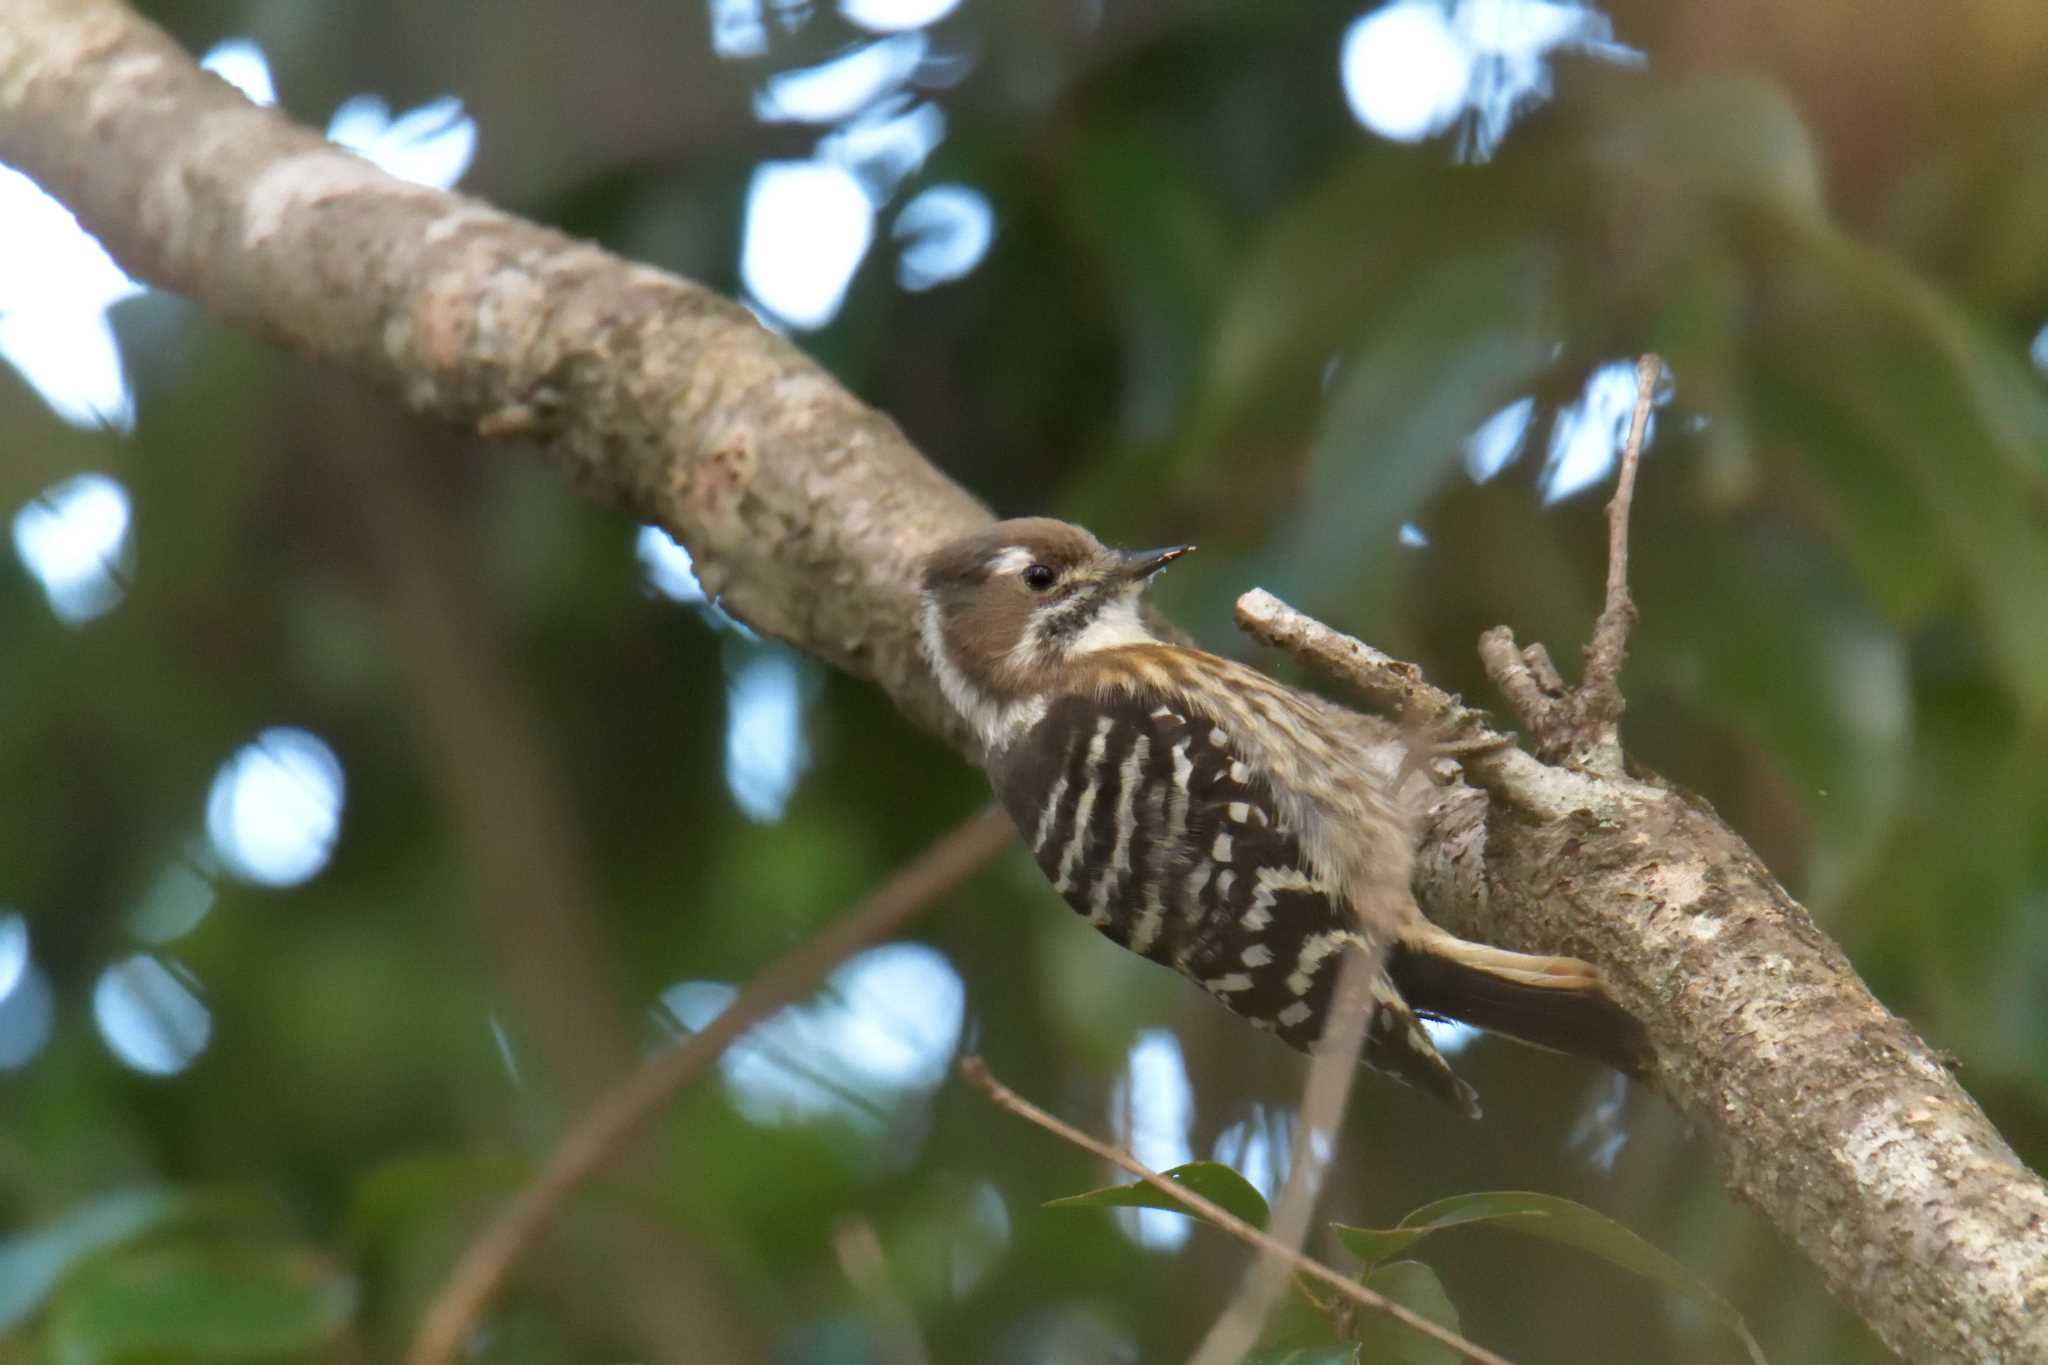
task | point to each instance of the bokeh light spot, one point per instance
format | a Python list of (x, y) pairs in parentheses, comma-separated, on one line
[(886, 145), (70, 356), (667, 566), (275, 808), (1412, 67), (1260, 1148), (150, 1018), (945, 231), (74, 539), (890, 16), (431, 145), (1153, 1111), (174, 903), (1586, 439), (1498, 441), (983, 1234), (27, 1013), (843, 86), (13, 950), (764, 737), (884, 1026), (56, 284), (808, 226), (1405, 73), (241, 63), (737, 30)]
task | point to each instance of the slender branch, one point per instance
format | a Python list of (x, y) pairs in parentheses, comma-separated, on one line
[(977, 1072), (536, 913), (1323, 1099), (618, 1116), (1619, 607), (867, 1270), (1582, 725), (1391, 685), (1599, 702), (1528, 680)]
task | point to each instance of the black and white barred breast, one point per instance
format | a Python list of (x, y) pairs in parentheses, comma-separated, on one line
[(1154, 825)]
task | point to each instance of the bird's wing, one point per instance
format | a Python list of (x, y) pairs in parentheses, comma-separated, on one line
[(1157, 826)]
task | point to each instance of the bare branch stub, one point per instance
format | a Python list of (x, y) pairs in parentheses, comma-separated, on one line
[(1444, 724), (1598, 701), (1537, 656), (977, 1073), (1535, 702), (1582, 725), (1391, 685)]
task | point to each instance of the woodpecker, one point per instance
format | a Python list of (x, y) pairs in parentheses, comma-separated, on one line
[(1202, 814)]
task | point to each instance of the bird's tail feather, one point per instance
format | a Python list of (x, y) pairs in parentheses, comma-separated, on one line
[(1395, 1042), (1558, 1003)]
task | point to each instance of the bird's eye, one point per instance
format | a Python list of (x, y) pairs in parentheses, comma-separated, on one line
[(1039, 577)]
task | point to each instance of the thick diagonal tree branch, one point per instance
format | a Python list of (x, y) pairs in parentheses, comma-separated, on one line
[(648, 392), (807, 512), (1823, 1108)]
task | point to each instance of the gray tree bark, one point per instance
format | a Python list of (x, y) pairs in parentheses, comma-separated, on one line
[(806, 512)]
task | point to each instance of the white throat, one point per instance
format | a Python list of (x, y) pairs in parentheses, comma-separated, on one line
[(1116, 625), (994, 723)]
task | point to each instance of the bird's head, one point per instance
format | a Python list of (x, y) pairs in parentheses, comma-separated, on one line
[(1007, 610)]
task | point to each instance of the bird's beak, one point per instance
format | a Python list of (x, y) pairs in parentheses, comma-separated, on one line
[(1140, 565)]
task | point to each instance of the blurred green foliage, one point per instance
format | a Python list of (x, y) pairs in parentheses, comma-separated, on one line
[(1216, 309)]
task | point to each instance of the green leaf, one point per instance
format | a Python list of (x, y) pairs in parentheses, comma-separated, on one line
[(1738, 137), (1328, 268), (32, 1263), (1152, 213), (197, 1304), (1559, 1220), (423, 1189), (1373, 1245), (1414, 1286), (1322, 268), (1216, 1183), (1924, 443)]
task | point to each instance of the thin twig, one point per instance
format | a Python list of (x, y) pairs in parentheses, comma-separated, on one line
[(1323, 1097), (536, 912), (977, 1072), (619, 1114), (1537, 705), (1598, 701), (1489, 757), (1582, 725), (867, 1269), (1391, 685)]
